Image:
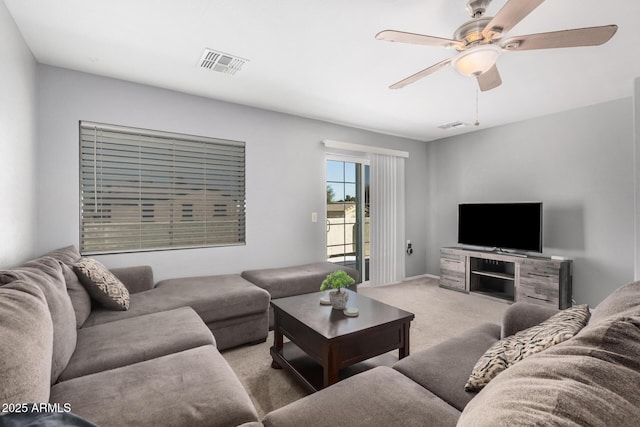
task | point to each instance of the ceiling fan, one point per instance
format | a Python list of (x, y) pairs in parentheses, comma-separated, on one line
[(479, 41)]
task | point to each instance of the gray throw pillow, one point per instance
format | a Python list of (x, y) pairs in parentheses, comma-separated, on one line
[(102, 285), (80, 298), (621, 301), (512, 349), (26, 334), (68, 255)]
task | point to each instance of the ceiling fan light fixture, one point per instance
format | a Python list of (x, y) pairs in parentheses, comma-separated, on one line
[(477, 60)]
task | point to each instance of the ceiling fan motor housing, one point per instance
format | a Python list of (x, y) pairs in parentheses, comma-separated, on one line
[(477, 8), (470, 33)]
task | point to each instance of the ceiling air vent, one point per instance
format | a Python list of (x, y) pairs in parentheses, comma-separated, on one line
[(221, 62), (453, 125)]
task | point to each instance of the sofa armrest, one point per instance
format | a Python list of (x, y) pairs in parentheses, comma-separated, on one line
[(136, 279), (523, 315)]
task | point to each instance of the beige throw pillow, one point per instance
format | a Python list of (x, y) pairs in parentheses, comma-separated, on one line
[(102, 285), (509, 350)]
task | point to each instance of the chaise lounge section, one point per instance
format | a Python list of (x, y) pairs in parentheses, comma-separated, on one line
[(234, 310)]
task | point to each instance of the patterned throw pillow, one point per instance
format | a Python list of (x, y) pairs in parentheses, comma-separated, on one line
[(102, 285), (509, 350)]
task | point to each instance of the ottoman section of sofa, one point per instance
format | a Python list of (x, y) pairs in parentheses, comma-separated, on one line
[(378, 397), (234, 309), (295, 280), (445, 368), (136, 339), (192, 388)]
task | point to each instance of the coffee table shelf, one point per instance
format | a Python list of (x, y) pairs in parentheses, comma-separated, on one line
[(310, 374)]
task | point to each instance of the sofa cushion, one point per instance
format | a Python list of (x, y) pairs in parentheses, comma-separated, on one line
[(522, 315), (128, 341), (622, 300), (137, 278), (68, 255), (444, 368), (26, 334), (214, 298), (101, 284), (512, 349), (195, 387), (591, 379), (378, 397), (80, 299), (46, 272)]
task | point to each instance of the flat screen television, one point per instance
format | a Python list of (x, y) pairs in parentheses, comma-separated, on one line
[(516, 226)]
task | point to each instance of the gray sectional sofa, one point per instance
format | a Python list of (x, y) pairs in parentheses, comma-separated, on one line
[(590, 379), (155, 364)]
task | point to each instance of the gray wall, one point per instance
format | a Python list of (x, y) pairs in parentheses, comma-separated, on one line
[(285, 170), (17, 145), (578, 163)]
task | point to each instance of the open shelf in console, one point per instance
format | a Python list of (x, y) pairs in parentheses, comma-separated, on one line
[(492, 277)]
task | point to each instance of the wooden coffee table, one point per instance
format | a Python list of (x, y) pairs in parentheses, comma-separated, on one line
[(326, 346)]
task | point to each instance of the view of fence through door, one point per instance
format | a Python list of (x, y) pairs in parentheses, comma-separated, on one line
[(348, 215)]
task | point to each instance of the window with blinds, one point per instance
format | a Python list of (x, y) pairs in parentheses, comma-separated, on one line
[(143, 190)]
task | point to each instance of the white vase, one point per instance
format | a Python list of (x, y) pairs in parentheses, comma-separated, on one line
[(339, 299)]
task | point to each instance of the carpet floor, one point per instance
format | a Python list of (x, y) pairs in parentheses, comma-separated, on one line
[(440, 314)]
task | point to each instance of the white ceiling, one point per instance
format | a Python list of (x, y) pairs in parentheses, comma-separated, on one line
[(319, 58)]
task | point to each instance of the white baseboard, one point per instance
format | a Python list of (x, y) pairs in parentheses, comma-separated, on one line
[(406, 279), (421, 276)]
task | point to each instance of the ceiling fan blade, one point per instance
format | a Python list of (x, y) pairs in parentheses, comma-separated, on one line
[(592, 36), (489, 79), (511, 13), (420, 74), (421, 39)]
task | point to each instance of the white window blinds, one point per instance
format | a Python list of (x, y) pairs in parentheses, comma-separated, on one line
[(144, 190)]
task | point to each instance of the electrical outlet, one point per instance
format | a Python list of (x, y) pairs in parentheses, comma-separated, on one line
[(314, 216), (409, 248)]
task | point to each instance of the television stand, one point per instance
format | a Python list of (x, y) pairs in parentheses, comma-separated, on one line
[(506, 276)]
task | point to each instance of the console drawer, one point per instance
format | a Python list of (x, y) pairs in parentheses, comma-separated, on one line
[(452, 282), (536, 292), (539, 269), (451, 265)]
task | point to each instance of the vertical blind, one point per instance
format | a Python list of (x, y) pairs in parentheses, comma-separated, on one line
[(144, 190), (387, 261)]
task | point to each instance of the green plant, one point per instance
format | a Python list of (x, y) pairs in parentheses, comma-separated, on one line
[(337, 280)]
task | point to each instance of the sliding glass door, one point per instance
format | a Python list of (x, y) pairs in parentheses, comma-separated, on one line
[(348, 214)]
